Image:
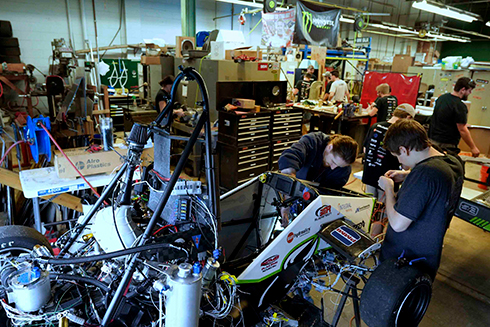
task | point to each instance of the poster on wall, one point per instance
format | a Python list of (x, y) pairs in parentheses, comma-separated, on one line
[(316, 26), (278, 28)]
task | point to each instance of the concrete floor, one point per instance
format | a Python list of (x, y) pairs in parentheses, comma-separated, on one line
[(461, 291)]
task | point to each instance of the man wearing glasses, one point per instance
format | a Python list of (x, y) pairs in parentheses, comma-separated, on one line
[(448, 123)]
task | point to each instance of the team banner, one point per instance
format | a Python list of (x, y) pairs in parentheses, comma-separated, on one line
[(278, 28), (319, 28)]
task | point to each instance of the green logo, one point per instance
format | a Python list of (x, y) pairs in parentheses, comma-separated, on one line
[(307, 21), (271, 4)]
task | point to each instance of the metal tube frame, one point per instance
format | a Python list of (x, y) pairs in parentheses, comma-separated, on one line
[(204, 121)]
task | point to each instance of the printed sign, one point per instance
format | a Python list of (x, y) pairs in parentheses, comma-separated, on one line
[(278, 28), (292, 235), (269, 263), (345, 235), (362, 208), (316, 26), (468, 208)]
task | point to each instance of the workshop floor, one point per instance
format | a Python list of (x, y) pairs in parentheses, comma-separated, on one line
[(461, 291)]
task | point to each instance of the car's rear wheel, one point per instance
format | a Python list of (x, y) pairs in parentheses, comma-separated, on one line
[(395, 296)]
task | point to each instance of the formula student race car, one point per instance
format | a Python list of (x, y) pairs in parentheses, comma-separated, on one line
[(168, 251)]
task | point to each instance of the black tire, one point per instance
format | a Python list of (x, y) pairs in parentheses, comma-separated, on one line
[(395, 296), (10, 51), (18, 239), (9, 42), (5, 28)]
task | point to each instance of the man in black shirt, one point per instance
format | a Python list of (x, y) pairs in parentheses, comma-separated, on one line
[(384, 105), (328, 81), (310, 70), (448, 122), (302, 88), (420, 214), (163, 95), (377, 159)]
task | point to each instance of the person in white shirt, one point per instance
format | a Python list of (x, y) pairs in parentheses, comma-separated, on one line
[(339, 92)]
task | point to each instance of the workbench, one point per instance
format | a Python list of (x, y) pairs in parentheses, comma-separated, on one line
[(323, 119), (45, 182)]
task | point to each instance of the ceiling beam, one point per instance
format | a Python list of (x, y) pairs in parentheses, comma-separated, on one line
[(466, 32)]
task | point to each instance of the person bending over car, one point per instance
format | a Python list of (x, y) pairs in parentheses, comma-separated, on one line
[(321, 158), (423, 208)]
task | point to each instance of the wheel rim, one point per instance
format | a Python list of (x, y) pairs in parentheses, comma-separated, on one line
[(413, 306)]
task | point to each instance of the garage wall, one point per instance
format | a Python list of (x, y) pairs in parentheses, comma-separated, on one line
[(36, 23)]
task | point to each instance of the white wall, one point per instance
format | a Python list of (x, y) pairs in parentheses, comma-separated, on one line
[(36, 23)]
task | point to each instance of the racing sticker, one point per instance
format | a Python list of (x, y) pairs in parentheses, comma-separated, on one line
[(367, 206), (345, 235), (197, 240), (269, 263), (468, 208), (346, 206), (292, 235), (323, 212)]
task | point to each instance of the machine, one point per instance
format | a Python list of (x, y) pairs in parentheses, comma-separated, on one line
[(199, 259)]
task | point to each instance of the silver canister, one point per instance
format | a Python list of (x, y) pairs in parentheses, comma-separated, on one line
[(106, 131), (183, 298)]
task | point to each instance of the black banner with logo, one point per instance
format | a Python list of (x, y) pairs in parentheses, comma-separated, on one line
[(314, 26)]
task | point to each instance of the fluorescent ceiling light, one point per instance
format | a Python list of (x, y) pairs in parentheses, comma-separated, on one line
[(249, 4), (444, 10), (488, 24), (441, 37), (394, 28)]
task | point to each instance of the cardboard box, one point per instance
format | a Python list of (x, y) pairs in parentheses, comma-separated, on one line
[(93, 163), (401, 63), (243, 103), (150, 60), (231, 54), (480, 136)]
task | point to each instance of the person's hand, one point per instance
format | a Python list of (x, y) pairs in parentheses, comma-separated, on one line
[(475, 152), (284, 217), (397, 175), (179, 112), (289, 171), (386, 184)]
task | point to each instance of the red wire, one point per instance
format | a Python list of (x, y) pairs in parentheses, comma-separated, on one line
[(164, 228), (1, 88), (71, 163), (9, 149)]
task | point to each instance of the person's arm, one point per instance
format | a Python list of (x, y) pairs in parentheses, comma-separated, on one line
[(398, 222), (373, 107), (347, 95), (294, 158), (330, 95), (161, 105), (333, 89), (466, 136), (397, 175)]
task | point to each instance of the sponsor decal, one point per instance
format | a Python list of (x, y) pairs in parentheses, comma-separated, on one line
[(346, 207), (318, 21), (324, 210), (269, 263), (292, 236), (197, 240), (345, 235), (468, 208), (362, 208)]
